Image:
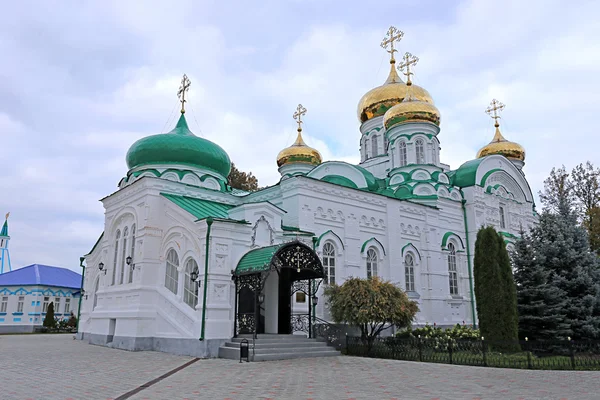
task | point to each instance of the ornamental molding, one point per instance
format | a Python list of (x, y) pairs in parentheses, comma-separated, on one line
[(409, 229), (329, 214), (371, 222), (270, 229), (339, 192), (412, 210)]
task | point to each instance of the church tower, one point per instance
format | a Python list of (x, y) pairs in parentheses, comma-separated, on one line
[(4, 255)]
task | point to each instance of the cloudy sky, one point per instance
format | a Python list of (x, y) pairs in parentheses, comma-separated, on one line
[(80, 81)]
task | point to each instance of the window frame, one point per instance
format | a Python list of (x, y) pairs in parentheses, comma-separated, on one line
[(374, 146), (130, 280), (116, 258), (502, 211), (56, 304), (171, 271), (45, 304), (4, 304), (420, 151), (20, 304), (402, 154), (372, 262), (452, 270), (190, 288), (67, 305), (409, 272), (328, 257)]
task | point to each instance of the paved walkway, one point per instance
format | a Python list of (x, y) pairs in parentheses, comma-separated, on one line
[(51, 367)]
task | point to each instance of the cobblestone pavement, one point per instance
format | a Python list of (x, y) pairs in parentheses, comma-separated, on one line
[(57, 367)]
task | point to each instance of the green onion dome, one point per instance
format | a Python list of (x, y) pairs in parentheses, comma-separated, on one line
[(180, 146)]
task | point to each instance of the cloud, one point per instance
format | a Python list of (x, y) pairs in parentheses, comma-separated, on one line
[(79, 85)]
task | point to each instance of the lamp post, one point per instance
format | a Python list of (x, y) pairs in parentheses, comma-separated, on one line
[(128, 260), (101, 267), (194, 275)]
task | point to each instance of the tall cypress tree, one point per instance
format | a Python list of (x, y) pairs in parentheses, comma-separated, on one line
[(494, 288), (541, 304)]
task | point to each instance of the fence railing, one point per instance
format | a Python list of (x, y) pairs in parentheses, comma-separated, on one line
[(579, 355)]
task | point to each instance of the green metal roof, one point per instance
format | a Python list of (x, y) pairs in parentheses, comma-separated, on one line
[(465, 174), (180, 146), (200, 208), (257, 260), (4, 231)]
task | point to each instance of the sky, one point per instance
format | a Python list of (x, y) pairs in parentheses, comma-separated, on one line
[(80, 81)]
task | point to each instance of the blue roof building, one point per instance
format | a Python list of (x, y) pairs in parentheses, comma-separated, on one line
[(26, 293)]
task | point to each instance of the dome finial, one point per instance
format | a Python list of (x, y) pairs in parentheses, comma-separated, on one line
[(493, 109), (409, 60), (300, 111), (393, 35), (185, 86)]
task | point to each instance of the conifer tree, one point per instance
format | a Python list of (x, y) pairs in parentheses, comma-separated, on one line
[(494, 288), (541, 304), (49, 321), (561, 247)]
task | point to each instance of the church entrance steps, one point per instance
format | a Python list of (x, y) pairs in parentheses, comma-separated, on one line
[(278, 347)]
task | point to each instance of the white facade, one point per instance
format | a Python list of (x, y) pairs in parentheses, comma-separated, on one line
[(400, 214)]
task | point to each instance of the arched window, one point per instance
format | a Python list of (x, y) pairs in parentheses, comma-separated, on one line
[(114, 271), (385, 143), (371, 263), (452, 272), (171, 274), (132, 253), (420, 151), (374, 146), (329, 262), (96, 287), (123, 255), (409, 272), (190, 288), (434, 153), (403, 158)]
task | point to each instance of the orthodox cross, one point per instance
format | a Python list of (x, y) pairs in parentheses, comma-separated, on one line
[(300, 111), (392, 35), (493, 109), (7, 215), (408, 60), (185, 86)]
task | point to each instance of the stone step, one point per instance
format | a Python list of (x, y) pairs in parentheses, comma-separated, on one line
[(276, 354), (274, 341), (278, 345), (287, 356), (269, 336), (291, 349)]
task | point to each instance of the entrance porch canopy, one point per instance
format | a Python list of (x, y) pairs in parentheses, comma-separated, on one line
[(293, 255)]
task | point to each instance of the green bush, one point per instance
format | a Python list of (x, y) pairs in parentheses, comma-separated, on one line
[(457, 332), (49, 321)]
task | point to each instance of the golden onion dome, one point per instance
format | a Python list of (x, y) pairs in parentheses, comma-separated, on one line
[(411, 110), (506, 148), (299, 152), (380, 99)]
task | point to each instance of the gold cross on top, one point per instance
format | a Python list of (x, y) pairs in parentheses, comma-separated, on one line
[(392, 35), (408, 60), (185, 86), (493, 109), (300, 111)]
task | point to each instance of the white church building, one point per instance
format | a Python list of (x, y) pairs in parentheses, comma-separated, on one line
[(186, 262)]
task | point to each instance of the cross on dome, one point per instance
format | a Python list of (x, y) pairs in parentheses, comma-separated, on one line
[(393, 35), (409, 60), (185, 86), (493, 109), (300, 111)]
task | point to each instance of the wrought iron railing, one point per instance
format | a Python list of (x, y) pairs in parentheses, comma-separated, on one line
[(578, 355), (330, 333), (246, 323), (300, 323)]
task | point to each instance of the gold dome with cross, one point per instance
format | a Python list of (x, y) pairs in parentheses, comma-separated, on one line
[(499, 145), (299, 152), (380, 99)]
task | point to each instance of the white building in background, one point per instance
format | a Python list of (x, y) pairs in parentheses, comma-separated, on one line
[(186, 262), (26, 293)]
